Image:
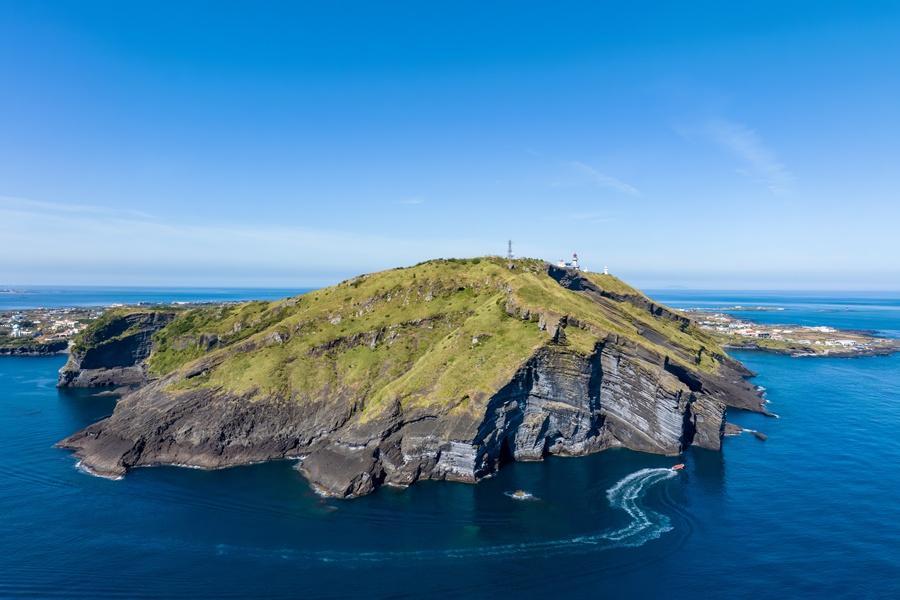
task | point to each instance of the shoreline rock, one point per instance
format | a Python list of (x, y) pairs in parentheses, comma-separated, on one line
[(558, 404), (53, 348), (624, 393), (863, 353), (121, 344)]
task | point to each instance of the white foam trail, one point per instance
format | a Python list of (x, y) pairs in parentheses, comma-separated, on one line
[(521, 496), (89, 471), (626, 495)]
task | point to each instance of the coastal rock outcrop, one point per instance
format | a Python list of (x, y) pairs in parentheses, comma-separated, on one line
[(445, 371), (112, 352), (35, 348)]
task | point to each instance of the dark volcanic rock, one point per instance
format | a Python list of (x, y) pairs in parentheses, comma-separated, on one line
[(649, 387), (35, 348), (732, 429), (559, 403), (116, 357)]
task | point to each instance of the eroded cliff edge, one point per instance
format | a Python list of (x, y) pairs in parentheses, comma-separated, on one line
[(113, 351), (441, 371)]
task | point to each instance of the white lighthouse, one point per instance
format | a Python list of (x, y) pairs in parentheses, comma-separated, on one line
[(571, 264)]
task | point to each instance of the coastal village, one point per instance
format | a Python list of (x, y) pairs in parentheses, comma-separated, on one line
[(43, 330), (796, 340)]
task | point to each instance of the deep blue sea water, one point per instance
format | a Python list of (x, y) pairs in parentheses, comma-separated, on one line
[(12, 297), (877, 311), (812, 512)]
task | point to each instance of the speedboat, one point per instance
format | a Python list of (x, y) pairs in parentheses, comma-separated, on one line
[(521, 495), (678, 467)]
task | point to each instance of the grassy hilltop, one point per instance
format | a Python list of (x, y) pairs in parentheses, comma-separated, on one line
[(444, 331), (442, 370)]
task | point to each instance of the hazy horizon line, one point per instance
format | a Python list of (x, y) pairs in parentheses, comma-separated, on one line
[(20, 288)]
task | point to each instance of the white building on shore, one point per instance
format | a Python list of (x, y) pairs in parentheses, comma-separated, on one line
[(572, 264)]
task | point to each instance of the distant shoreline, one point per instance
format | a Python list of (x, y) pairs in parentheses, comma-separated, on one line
[(797, 341), (36, 349), (838, 354)]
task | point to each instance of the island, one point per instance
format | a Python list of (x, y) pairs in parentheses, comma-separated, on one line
[(445, 370)]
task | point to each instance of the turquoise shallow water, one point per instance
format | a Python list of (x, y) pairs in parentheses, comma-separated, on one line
[(809, 513)]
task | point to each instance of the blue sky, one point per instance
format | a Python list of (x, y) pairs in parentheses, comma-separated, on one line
[(693, 144)]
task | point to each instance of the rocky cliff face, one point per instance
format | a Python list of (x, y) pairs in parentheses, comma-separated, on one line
[(562, 398), (35, 348), (114, 352)]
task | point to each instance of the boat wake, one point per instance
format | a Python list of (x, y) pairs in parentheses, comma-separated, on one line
[(626, 495)]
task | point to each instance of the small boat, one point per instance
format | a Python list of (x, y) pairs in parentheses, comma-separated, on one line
[(678, 467), (520, 495)]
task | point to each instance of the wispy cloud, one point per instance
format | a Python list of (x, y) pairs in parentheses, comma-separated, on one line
[(60, 241), (760, 161), (602, 179), (414, 201), (25, 204)]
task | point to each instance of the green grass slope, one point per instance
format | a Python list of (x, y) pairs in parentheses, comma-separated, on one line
[(444, 332)]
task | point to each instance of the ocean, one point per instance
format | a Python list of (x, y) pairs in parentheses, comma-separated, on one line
[(811, 512), (16, 298)]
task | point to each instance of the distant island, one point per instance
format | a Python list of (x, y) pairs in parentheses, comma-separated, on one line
[(444, 370)]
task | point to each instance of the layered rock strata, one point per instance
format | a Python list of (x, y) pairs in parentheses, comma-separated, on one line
[(561, 400), (116, 352)]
